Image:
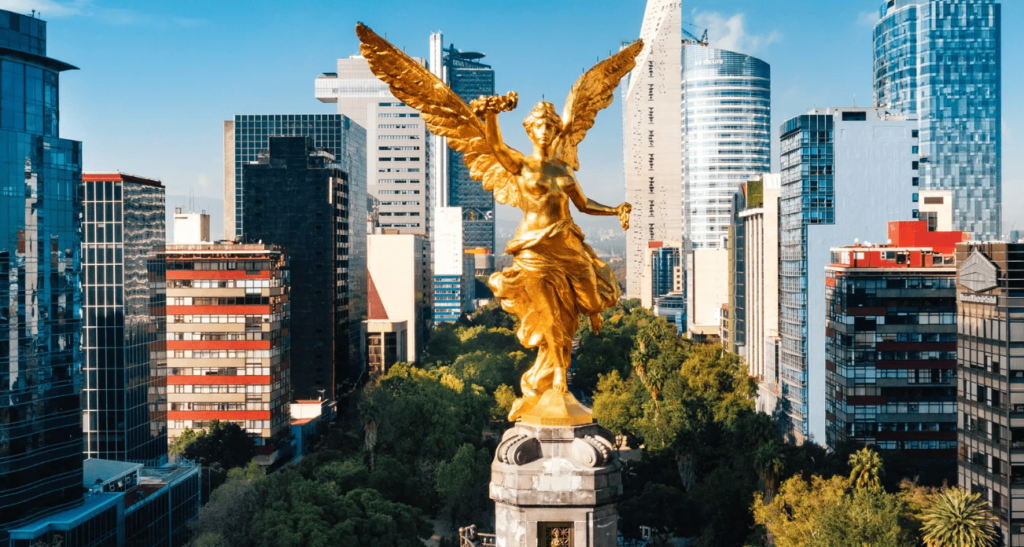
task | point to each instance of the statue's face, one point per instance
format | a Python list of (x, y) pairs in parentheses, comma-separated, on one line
[(542, 132)]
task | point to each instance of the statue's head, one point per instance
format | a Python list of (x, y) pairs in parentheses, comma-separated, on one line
[(543, 124)]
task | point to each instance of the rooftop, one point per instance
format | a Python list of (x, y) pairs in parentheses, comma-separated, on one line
[(121, 177), (96, 471)]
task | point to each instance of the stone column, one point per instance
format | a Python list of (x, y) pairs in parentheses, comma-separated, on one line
[(556, 487)]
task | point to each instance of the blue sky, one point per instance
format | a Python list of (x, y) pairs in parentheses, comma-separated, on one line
[(158, 79)]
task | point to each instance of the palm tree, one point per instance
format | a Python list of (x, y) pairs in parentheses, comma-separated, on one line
[(768, 462), (957, 519), (866, 468)]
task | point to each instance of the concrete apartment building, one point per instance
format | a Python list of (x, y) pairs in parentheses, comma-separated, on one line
[(191, 228), (761, 223), (890, 341), (845, 173), (399, 269), (228, 339), (454, 268), (397, 144), (124, 410), (990, 376)]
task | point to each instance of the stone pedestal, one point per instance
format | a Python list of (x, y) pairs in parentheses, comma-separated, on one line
[(556, 487)]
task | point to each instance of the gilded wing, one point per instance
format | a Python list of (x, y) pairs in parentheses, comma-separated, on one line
[(593, 92), (445, 113)]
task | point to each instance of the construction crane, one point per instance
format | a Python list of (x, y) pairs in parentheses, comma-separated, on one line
[(703, 40)]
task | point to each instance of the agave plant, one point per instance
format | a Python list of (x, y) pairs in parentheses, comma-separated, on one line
[(957, 519)]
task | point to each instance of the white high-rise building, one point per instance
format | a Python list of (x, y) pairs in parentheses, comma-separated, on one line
[(761, 222), (397, 144), (191, 228), (652, 138), (846, 172)]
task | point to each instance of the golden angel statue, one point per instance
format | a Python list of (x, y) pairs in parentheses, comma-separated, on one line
[(555, 277)]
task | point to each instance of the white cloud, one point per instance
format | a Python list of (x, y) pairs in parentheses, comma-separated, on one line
[(55, 9), (730, 33), (868, 18), (52, 9)]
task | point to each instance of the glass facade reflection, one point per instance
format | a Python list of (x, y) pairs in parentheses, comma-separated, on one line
[(40, 264), (470, 79), (322, 224), (941, 59), (726, 137), (124, 400), (248, 135)]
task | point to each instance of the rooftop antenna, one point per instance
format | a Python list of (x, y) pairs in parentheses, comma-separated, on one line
[(855, 100)]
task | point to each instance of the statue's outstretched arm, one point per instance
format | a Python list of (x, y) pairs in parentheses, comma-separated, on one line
[(588, 206), (591, 207)]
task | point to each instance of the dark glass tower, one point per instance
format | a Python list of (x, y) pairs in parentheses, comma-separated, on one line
[(299, 198), (470, 78), (40, 245), (248, 135), (123, 343)]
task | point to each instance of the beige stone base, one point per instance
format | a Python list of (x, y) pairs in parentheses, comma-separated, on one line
[(556, 480)]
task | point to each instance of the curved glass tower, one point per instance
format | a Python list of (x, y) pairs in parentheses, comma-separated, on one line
[(941, 60), (726, 107)]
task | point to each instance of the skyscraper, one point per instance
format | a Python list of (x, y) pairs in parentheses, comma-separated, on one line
[(846, 172), (726, 130), (247, 135), (469, 78), (941, 60), (652, 138), (397, 145), (123, 333), (40, 267), (322, 224)]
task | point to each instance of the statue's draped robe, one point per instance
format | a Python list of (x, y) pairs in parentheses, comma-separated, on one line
[(555, 277)]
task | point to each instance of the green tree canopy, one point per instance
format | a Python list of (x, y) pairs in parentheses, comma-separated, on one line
[(955, 518)]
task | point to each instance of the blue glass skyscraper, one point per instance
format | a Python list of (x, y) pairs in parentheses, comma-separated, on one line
[(726, 137), (40, 315), (941, 59), (470, 78)]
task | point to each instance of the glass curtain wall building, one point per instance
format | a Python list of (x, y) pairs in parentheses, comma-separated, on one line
[(941, 59), (845, 172), (40, 266), (726, 137), (469, 78), (247, 135), (322, 224), (123, 333)]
